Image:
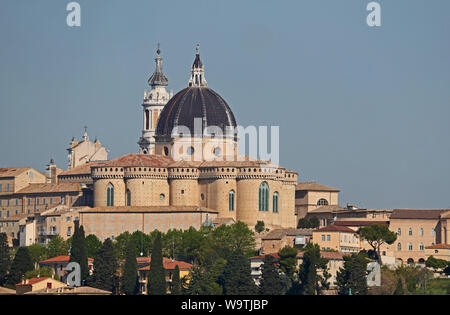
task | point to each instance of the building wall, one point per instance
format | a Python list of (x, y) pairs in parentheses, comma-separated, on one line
[(339, 241), (430, 236)]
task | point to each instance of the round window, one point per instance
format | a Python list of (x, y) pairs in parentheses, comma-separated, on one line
[(190, 150), (166, 151), (161, 197), (216, 151)]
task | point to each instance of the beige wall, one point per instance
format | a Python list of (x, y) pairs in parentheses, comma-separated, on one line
[(339, 241)]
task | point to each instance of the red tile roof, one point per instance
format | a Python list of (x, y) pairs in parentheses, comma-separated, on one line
[(32, 281), (323, 254), (417, 213), (274, 255), (168, 264), (335, 228), (439, 246), (59, 259), (13, 171), (138, 160), (84, 169), (50, 188), (360, 223)]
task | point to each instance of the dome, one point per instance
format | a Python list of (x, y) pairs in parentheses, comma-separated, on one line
[(191, 103)]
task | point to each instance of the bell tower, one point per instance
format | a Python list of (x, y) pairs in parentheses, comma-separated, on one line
[(154, 102)]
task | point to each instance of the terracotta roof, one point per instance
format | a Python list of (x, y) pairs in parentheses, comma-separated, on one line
[(335, 228), (149, 160), (84, 169), (32, 281), (313, 186), (59, 259), (439, 246), (16, 217), (328, 255), (280, 233), (326, 209), (168, 264), (360, 223), (13, 171), (50, 188), (274, 255), (148, 209), (417, 213), (70, 291)]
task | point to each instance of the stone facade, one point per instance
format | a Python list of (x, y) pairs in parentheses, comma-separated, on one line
[(85, 151)]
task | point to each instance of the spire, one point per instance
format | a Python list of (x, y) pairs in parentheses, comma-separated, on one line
[(158, 78), (197, 78), (85, 136)]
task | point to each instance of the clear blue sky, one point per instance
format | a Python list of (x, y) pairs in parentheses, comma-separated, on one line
[(365, 110)]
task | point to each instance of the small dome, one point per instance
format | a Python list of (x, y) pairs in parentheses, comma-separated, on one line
[(195, 102)]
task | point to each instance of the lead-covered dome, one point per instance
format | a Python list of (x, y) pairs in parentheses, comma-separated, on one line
[(195, 102)]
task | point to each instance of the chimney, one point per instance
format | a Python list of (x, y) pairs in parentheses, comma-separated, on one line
[(52, 172)]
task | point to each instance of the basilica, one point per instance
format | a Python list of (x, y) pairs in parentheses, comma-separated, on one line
[(169, 172)]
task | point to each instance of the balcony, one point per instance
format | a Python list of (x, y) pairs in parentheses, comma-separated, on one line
[(48, 233)]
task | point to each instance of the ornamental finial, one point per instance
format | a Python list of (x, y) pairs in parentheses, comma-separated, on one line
[(197, 49)]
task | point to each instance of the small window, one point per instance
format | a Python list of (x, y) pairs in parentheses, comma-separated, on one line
[(166, 151), (275, 202), (399, 246), (399, 231), (322, 202), (161, 197), (190, 150), (421, 247), (410, 232), (231, 200), (410, 247)]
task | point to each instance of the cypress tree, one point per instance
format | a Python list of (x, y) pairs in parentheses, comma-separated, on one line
[(130, 284), (176, 282), (5, 259), (236, 278), (271, 282), (105, 267), (311, 283), (353, 275), (21, 264), (78, 252), (157, 277)]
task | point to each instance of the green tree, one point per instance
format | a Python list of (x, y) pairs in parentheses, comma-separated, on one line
[(260, 226), (227, 239), (376, 235), (288, 261), (57, 247), (203, 282), (93, 245), (78, 252), (236, 278), (5, 258), (311, 282), (303, 224), (436, 263), (105, 268), (399, 288), (176, 282), (130, 284), (314, 222), (37, 252), (41, 272), (21, 264), (157, 278), (353, 275), (270, 283)]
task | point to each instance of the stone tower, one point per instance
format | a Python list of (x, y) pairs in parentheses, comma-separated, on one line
[(154, 102)]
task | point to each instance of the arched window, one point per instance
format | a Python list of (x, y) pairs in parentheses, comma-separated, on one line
[(421, 247), (147, 119), (322, 202), (410, 231), (110, 195), (264, 197), (128, 197), (410, 247), (399, 246), (231, 200), (399, 231), (275, 202), (421, 231)]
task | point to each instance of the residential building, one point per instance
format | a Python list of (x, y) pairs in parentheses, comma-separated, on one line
[(59, 265), (276, 239), (337, 238), (36, 284)]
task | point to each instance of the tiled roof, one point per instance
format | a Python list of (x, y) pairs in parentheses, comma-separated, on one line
[(360, 223), (16, 217), (328, 255), (417, 213), (70, 291), (50, 188), (327, 209), (148, 209), (439, 246), (274, 255), (32, 281), (280, 233), (13, 171), (84, 169), (59, 259), (168, 264), (313, 186), (335, 228), (149, 160)]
